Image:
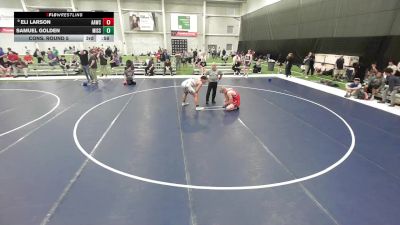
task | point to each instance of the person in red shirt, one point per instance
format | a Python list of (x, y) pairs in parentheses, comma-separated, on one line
[(232, 99), (28, 58), (12, 58)]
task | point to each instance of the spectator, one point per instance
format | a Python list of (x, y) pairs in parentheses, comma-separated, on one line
[(372, 71), (339, 69), (27, 50), (2, 56), (28, 58), (21, 66), (5, 69), (63, 63), (392, 66), (149, 70), (289, 64), (257, 66), (108, 52), (353, 88), (178, 59), (93, 68), (394, 87), (237, 62), (52, 58), (214, 76), (321, 69), (375, 84), (74, 61), (12, 58), (129, 73), (55, 52), (103, 63), (115, 61), (84, 58), (167, 66), (202, 66), (38, 56), (309, 62)]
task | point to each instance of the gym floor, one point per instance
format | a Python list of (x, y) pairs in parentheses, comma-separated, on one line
[(117, 154)]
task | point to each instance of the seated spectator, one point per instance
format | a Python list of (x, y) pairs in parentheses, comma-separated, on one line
[(12, 58), (5, 69), (53, 60), (168, 66), (63, 63), (149, 70), (2, 55), (202, 66), (353, 88), (37, 54), (321, 69), (257, 67), (21, 66), (28, 58), (74, 63), (115, 61), (394, 87), (129, 73), (375, 84), (225, 58)]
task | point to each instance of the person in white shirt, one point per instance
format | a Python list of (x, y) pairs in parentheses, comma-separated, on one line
[(192, 86)]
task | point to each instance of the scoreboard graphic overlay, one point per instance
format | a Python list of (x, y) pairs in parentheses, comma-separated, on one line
[(63, 26)]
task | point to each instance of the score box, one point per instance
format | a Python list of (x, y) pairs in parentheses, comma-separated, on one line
[(108, 21), (108, 30)]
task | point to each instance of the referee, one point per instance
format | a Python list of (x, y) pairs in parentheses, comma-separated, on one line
[(214, 76)]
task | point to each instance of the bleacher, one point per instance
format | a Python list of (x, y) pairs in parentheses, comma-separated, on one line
[(140, 69), (47, 70), (226, 69)]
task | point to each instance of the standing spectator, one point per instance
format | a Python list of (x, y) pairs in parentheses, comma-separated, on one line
[(394, 87), (21, 66), (309, 62), (93, 67), (108, 52), (55, 52), (167, 66), (392, 66), (27, 50), (248, 59), (353, 88), (28, 58), (289, 64), (84, 57), (103, 63), (339, 69), (149, 70), (214, 76), (223, 54), (178, 59)]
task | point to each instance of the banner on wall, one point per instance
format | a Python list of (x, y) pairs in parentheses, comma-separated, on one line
[(7, 20), (183, 25), (142, 21)]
